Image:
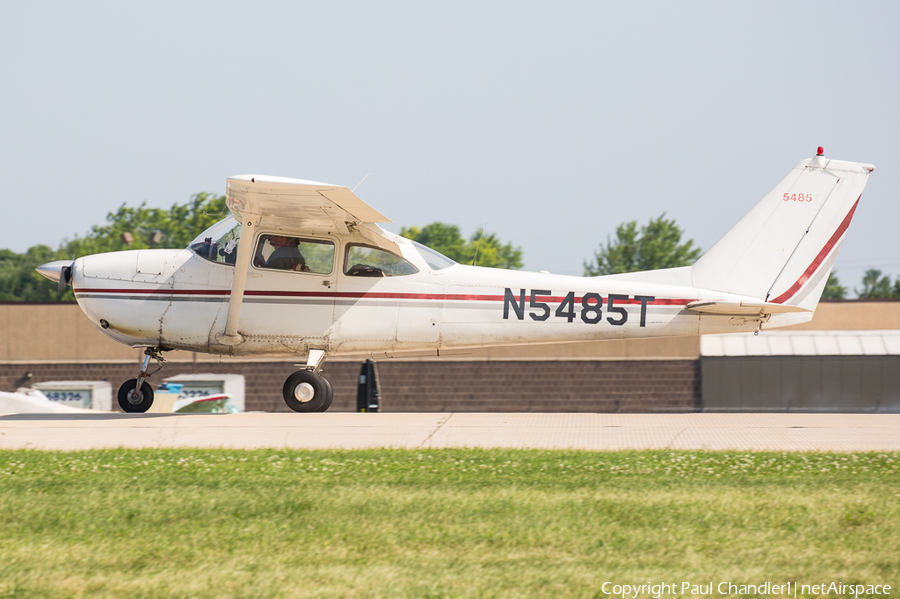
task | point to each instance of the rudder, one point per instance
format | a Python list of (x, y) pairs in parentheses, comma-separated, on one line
[(784, 248)]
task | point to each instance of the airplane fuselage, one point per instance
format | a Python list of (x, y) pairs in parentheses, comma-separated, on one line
[(303, 269), (174, 299)]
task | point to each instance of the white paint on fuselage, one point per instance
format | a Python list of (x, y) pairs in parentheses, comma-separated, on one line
[(780, 253), (177, 300)]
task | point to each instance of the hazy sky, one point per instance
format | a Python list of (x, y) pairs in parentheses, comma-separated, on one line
[(547, 123)]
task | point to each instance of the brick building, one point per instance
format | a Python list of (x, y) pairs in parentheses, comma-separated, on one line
[(55, 341)]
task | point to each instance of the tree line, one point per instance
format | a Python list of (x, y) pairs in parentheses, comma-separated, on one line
[(658, 244), (148, 227)]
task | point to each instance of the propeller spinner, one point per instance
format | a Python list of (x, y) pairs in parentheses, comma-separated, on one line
[(59, 271)]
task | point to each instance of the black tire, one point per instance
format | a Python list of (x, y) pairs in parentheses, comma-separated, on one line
[(305, 391), (329, 394), (141, 403)]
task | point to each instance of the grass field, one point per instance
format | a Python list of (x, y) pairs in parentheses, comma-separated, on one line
[(438, 523)]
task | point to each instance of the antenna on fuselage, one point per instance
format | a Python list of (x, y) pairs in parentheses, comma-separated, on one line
[(360, 182), (476, 246)]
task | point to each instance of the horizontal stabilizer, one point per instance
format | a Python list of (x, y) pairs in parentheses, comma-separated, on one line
[(741, 308)]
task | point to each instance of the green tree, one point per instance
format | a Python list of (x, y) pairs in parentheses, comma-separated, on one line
[(20, 282), (484, 249), (178, 225), (876, 286), (833, 288), (441, 237), (487, 250), (655, 245)]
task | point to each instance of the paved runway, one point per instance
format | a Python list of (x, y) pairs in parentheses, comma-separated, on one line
[(762, 432)]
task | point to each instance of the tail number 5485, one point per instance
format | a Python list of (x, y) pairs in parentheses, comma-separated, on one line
[(588, 307)]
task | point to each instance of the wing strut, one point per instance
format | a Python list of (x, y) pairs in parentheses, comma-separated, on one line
[(241, 266)]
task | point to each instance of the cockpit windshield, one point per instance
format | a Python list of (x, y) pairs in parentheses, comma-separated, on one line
[(219, 242), (435, 260)]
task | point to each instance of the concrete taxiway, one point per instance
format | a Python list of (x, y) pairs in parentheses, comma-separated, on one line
[(732, 432)]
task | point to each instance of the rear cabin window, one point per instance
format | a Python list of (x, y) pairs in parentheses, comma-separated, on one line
[(433, 259), (365, 261), (282, 252)]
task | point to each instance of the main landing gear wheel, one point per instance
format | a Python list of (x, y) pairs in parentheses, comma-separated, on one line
[(133, 400), (329, 397), (305, 391)]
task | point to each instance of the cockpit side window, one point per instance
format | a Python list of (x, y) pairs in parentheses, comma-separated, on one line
[(365, 261), (281, 252), (219, 243)]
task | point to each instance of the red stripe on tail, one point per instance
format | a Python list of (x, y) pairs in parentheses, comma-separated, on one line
[(820, 257)]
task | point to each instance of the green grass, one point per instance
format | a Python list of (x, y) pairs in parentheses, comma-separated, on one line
[(438, 523)]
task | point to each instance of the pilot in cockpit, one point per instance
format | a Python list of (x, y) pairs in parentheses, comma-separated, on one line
[(285, 255)]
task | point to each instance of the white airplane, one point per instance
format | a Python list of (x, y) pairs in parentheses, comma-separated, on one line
[(302, 268)]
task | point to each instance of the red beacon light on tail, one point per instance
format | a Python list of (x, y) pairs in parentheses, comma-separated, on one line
[(818, 160)]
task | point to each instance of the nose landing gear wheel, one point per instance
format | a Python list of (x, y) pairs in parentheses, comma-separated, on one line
[(305, 391), (133, 400), (136, 395)]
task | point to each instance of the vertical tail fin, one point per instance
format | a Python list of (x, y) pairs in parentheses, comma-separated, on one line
[(784, 248)]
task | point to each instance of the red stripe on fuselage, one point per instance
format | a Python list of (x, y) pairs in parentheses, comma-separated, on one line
[(365, 295), (820, 257), (157, 291), (324, 294)]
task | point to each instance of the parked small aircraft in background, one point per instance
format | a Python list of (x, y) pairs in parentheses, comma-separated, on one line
[(302, 268)]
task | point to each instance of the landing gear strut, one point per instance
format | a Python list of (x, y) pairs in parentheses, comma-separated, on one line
[(136, 395), (307, 391)]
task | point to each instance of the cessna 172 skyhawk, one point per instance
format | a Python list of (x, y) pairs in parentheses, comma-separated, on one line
[(302, 268)]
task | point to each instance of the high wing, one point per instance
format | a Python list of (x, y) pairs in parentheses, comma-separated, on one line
[(296, 206), (300, 205)]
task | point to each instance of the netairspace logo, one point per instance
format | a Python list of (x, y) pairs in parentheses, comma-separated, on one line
[(787, 589)]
